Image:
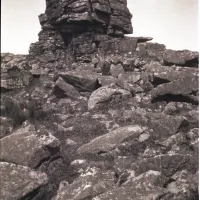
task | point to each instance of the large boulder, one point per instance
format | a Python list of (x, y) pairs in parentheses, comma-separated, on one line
[(28, 147), (18, 181)]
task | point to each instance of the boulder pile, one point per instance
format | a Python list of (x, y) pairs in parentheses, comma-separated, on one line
[(92, 114)]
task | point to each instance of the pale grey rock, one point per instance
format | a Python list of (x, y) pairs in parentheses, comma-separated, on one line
[(105, 93), (111, 140), (116, 70)]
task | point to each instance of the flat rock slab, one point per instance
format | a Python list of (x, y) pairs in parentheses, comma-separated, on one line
[(157, 71), (104, 94), (27, 147), (111, 140), (182, 58), (17, 181), (83, 80), (186, 85)]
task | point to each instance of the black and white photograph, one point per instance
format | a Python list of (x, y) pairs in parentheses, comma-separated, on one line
[(99, 100)]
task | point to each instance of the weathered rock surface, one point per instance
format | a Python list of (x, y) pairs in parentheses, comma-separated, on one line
[(141, 187), (27, 147), (91, 183), (18, 181), (182, 58), (111, 140), (113, 17), (93, 114), (67, 89), (104, 94)]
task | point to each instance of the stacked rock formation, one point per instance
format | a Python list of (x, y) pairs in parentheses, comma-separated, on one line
[(78, 30), (93, 114)]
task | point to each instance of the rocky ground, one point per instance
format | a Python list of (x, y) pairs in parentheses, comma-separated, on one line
[(118, 121)]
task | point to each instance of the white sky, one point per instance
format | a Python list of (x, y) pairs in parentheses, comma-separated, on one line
[(171, 22)]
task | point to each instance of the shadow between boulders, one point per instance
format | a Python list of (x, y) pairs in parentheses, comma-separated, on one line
[(175, 98)]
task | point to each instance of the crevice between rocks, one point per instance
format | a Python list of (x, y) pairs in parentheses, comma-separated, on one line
[(159, 81), (174, 98), (53, 156), (31, 195)]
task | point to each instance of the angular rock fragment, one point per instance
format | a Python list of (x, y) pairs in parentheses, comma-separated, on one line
[(180, 90), (104, 94), (67, 89), (116, 70), (83, 80), (88, 185), (182, 58), (165, 126), (146, 186), (27, 147), (18, 181), (167, 164), (129, 81), (143, 39)]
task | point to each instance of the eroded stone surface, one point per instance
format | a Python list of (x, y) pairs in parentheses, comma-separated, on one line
[(111, 116), (17, 181), (27, 147), (111, 140)]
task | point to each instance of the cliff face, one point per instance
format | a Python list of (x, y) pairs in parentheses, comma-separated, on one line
[(93, 114)]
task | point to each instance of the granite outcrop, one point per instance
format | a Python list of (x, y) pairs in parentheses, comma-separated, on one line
[(93, 114)]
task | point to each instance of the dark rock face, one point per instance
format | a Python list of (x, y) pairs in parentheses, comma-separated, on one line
[(93, 114), (103, 16)]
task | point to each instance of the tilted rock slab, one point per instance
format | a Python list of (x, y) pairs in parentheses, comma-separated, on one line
[(69, 90), (111, 140), (185, 86)]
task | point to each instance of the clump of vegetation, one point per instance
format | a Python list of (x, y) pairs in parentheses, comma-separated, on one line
[(14, 111)]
